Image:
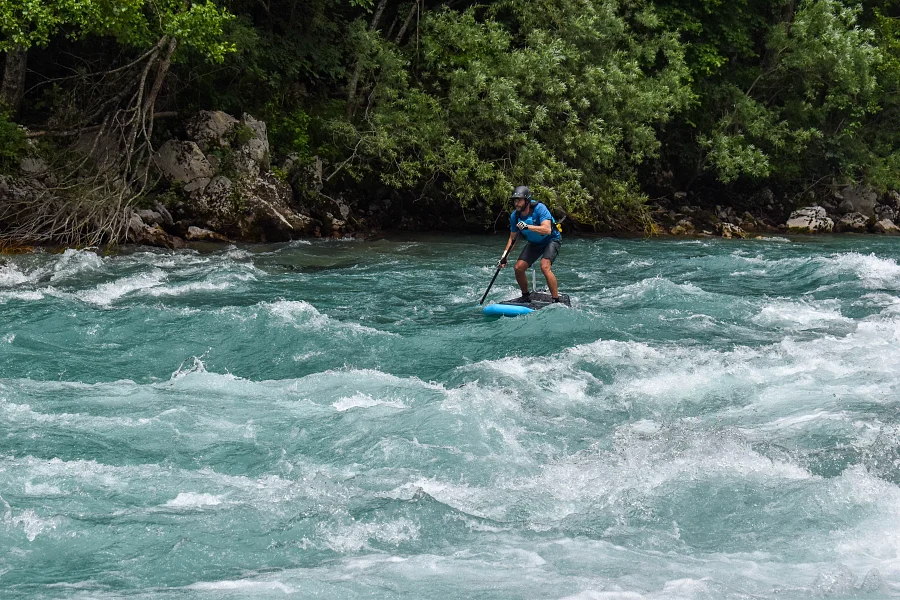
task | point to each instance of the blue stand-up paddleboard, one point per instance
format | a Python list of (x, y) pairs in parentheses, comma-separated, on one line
[(511, 308)]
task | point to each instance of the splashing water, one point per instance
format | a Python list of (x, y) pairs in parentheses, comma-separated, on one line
[(711, 419)]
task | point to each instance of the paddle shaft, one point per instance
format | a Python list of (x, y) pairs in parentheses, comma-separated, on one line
[(497, 272)]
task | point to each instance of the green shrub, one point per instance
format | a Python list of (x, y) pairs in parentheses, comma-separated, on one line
[(13, 144)]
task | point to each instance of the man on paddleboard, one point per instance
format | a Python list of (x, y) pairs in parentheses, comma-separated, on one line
[(533, 220)]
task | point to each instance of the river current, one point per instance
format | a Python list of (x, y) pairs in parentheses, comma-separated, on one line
[(712, 419)]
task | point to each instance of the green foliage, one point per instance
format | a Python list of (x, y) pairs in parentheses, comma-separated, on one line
[(241, 134), (571, 108), (135, 23), (289, 132), (805, 107), (13, 144)]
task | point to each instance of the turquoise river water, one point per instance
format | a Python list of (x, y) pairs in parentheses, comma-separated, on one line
[(711, 419)]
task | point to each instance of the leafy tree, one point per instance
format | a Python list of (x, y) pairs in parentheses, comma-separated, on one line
[(564, 95)]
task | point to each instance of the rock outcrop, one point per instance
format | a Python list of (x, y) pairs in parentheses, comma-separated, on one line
[(184, 163), (222, 176), (812, 219)]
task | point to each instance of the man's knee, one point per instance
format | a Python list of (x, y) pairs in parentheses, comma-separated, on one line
[(546, 267), (521, 266)]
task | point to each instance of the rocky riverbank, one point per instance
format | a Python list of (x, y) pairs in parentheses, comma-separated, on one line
[(217, 182), (842, 209)]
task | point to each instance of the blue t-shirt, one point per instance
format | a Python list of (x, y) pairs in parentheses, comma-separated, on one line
[(539, 214)]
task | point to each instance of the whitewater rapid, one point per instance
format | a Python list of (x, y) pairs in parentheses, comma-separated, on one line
[(336, 419)]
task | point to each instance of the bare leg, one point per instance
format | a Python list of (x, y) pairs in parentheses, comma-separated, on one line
[(521, 276), (551, 278)]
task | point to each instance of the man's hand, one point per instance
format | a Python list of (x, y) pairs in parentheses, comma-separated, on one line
[(503, 262), (522, 225)]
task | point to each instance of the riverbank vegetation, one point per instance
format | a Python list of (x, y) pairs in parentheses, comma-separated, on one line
[(431, 111)]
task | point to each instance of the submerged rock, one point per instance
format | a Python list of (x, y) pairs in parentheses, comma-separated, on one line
[(811, 219)]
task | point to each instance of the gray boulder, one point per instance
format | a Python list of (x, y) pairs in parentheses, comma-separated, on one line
[(151, 235), (257, 209), (185, 163), (845, 207), (855, 222), (150, 217), (861, 198), (885, 212), (887, 227), (683, 227), (198, 234), (163, 213), (892, 199), (252, 156), (211, 129), (811, 219), (729, 230), (32, 166), (250, 203)]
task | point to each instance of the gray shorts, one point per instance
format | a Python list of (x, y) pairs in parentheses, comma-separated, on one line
[(531, 252)]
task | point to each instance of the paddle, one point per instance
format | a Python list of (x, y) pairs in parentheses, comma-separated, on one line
[(497, 272)]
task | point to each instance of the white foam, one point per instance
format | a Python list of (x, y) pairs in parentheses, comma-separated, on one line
[(303, 315), (105, 294), (356, 536), (193, 500), (360, 400), (595, 595), (25, 295), (244, 585), (30, 523), (74, 262), (297, 312), (187, 288), (800, 316), (11, 275), (873, 272)]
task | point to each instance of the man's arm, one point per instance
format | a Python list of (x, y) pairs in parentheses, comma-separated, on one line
[(543, 229)]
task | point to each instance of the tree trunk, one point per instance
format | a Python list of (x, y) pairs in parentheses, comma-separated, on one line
[(13, 87), (354, 80), (406, 23)]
